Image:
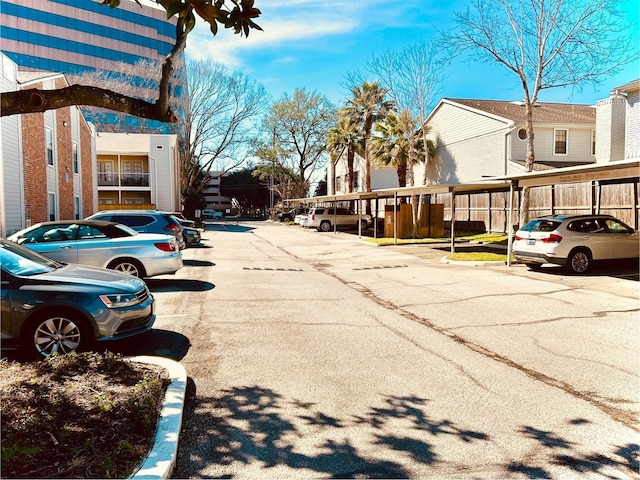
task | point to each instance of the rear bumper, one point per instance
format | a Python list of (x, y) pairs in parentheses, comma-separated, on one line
[(530, 257), (163, 265)]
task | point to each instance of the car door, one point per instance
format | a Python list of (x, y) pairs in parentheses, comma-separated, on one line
[(94, 247), (592, 233), (625, 242), (5, 303), (57, 242)]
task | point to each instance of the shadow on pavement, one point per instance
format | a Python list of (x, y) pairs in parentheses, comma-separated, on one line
[(178, 285), (156, 342), (252, 424)]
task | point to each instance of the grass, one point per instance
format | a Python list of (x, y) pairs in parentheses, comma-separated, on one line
[(484, 238), (78, 416)]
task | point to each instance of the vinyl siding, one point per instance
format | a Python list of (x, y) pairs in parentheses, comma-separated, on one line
[(469, 146), (11, 172)]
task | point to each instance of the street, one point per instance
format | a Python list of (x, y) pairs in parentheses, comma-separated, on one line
[(315, 355)]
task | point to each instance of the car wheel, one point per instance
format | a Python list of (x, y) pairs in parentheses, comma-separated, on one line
[(534, 266), (130, 267), (363, 224), (49, 334), (325, 226), (579, 261)]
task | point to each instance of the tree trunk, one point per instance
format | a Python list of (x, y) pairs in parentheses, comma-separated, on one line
[(528, 165)]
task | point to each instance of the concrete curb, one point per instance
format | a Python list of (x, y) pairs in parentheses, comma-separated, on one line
[(160, 461), (472, 263)]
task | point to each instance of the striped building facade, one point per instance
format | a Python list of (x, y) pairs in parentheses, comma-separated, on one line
[(74, 37)]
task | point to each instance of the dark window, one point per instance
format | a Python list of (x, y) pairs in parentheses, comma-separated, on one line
[(132, 220), (561, 142)]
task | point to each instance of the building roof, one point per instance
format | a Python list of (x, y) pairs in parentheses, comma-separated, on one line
[(558, 113), (632, 86), (25, 78)]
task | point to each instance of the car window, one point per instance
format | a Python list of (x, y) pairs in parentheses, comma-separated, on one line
[(590, 225), (132, 220), (87, 232), (57, 234), (541, 225), (614, 226)]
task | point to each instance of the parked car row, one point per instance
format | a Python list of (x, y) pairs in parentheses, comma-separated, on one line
[(49, 307), (68, 284)]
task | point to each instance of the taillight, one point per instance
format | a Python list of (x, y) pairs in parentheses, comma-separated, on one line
[(165, 246), (553, 238), (517, 237), (172, 228)]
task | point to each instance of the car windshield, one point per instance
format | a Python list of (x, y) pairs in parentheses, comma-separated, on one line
[(541, 225), (19, 260)]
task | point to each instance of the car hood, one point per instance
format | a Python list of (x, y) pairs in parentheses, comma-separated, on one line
[(83, 275)]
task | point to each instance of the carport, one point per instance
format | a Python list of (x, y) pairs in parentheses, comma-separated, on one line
[(596, 174), (406, 192)]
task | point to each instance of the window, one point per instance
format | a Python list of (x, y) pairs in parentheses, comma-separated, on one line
[(356, 184), (74, 153), (561, 137), (76, 208), (522, 134), (105, 173), (593, 142), (51, 206), (49, 145)]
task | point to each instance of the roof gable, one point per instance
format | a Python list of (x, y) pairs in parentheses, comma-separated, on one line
[(558, 113)]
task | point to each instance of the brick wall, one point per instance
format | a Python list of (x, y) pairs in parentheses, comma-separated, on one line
[(35, 164), (87, 166)]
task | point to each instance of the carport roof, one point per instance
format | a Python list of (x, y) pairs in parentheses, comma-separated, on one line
[(582, 173), (408, 191)]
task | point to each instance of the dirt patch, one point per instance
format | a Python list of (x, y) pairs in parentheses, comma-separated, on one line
[(86, 415)]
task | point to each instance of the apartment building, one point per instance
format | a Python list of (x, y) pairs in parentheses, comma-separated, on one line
[(47, 160), (138, 171)]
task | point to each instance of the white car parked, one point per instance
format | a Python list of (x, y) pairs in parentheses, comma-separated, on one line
[(324, 219), (575, 241)]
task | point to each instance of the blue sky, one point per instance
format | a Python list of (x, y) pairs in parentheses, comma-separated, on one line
[(313, 44)]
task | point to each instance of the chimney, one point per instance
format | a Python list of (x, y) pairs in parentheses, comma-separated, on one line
[(611, 116)]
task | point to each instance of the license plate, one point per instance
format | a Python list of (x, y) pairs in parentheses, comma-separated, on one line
[(531, 242)]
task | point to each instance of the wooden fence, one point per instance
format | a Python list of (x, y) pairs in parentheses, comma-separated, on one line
[(492, 208)]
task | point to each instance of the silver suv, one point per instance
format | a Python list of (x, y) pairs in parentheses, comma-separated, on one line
[(325, 218)]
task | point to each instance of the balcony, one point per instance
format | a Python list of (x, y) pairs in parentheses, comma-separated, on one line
[(123, 180)]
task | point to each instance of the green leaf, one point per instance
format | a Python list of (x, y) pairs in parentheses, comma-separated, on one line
[(172, 7)]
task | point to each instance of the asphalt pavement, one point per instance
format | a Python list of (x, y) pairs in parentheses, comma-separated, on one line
[(314, 355)]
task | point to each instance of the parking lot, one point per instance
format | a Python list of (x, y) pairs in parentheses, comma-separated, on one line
[(315, 355)]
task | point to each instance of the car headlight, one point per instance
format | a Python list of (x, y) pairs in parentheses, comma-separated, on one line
[(119, 300)]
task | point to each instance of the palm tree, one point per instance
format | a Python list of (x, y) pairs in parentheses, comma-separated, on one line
[(389, 148), (367, 106), (345, 135)]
